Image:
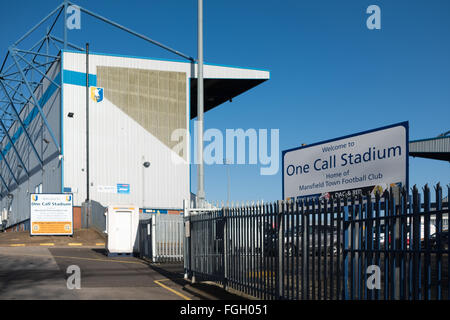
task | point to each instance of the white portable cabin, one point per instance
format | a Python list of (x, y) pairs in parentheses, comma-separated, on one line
[(122, 224)]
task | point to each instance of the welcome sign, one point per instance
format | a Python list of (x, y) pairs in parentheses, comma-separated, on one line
[(51, 214), (362, 163)]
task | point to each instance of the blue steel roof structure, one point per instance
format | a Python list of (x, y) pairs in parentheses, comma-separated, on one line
[(437, 148)]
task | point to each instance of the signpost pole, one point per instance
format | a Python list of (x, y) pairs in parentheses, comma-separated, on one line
[(201, 177), (87, 122)]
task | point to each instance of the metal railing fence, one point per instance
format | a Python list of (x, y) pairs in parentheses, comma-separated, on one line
[(161, 238), (390, 246)]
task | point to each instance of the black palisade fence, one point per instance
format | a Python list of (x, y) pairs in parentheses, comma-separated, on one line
[(390, 246)]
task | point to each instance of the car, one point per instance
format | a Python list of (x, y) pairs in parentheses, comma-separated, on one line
[(293, 246), (270, 240), (443, 237)]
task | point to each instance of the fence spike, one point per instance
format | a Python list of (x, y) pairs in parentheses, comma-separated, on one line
[(438, 186)]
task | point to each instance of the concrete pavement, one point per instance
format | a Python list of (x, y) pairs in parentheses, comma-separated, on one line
[(40, 273), (36, 268)]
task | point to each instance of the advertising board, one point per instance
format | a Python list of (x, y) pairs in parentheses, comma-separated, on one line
[(51, 214)]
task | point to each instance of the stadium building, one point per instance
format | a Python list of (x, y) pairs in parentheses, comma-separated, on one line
[(135, 104)]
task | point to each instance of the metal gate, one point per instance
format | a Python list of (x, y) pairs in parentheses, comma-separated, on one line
[(391, 246), (161, 238)]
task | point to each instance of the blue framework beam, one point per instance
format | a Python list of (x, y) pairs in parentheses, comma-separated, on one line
[(35, 53), (31, 49), (55, 44), (37, 25), (49, 29), (134, 33), (16, 101), (13, 82), (22, 125), (14, 147), (68, 43), (4, 183), (21, 81), (36, 102), (3, 157), (39, 71), (29, 68), (16, 91)]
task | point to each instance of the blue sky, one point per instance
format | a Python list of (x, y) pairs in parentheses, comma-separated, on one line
[(330, 75)]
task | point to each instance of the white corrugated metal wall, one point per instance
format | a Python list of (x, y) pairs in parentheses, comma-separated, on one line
[(118, 145)]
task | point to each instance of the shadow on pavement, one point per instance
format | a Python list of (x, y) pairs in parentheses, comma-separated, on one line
[(175, 272)]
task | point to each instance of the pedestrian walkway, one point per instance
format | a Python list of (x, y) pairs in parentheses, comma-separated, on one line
[(37, 272), (80, 238), (41, 273)]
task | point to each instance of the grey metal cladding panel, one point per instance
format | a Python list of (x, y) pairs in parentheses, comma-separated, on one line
[(50, 177), (431, 145), (155, 99), (38, 134)]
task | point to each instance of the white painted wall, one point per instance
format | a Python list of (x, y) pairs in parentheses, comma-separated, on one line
[(118, 147)]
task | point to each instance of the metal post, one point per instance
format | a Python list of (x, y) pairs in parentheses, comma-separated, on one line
[(155, 254), (280, 227), (396, 241), (225, 246), (438, 241), (346, 226), (47, 42), (200, 182), (186, 238), (143, 182), (87, 122), (226, 162)]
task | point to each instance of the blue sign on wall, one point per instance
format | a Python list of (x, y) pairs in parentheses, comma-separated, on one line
[(160, 211), (123, 188)]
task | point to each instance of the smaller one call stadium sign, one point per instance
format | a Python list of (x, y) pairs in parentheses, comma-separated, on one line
[(363, 163), (51, 214)]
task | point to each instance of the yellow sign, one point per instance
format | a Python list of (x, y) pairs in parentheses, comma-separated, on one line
[(52, 227)]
